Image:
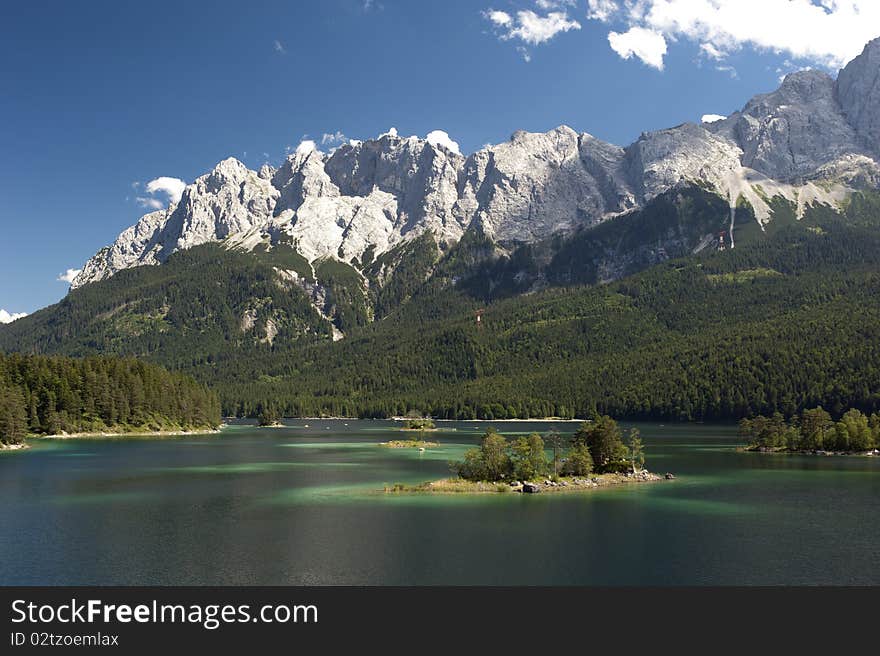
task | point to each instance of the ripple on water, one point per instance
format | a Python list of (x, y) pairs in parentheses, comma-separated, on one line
[(250, 467)]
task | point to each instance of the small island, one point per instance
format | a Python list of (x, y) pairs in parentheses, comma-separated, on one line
[(813, 432), (418, 425), (595, 457), (269, 417)]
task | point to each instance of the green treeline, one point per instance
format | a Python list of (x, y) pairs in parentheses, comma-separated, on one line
[(43, 395), (782, 325), (813, 430), (787, 321), (597, 446)]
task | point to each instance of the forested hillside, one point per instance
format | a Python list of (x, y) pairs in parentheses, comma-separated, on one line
[(784, 324), (49, 395), (788, 320)]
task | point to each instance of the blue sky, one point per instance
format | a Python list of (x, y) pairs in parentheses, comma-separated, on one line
[(98, 97)]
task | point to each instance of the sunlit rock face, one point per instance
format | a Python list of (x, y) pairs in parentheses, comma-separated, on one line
[(812, 140)]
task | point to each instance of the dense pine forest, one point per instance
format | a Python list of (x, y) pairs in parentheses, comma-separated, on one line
[(785, 324), (789, 320), (49, 395)]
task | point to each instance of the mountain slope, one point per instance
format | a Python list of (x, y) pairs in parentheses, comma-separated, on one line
[(785, 321), (701, 272), (814, 140)]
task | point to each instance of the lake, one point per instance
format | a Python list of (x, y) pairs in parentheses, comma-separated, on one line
[(299, 506)]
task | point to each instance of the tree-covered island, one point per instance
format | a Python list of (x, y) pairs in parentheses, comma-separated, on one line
[(595, 456), (417, 425), (813, 431)]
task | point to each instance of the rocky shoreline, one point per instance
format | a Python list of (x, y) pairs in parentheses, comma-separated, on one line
[(14, 447), (408, 444), (562, 485), (180, 433)]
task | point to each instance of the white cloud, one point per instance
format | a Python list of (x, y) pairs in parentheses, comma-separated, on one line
[(306, 146), (601, 10), (170, 188), (535, 29), (333, 140), (530, 27), (9, 317), (647, 45), (68, 275), (441, 138), (712, 118), (150, 203), (500, 18), (728, 69), (712, 52), (554, 4), (825, 32), (392, 132), (279, 47)]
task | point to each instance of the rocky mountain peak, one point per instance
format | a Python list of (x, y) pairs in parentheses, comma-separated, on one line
[(810, 140), (858, 92)]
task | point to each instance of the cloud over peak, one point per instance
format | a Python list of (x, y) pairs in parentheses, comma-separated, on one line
[(68, 275), (162, 190), (9, 317)]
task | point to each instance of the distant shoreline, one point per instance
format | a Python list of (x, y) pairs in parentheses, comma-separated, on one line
[(818, 452), (399, 419), (87, 435)]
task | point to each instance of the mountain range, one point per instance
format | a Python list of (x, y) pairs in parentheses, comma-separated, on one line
[(400, 239), (811, 141)]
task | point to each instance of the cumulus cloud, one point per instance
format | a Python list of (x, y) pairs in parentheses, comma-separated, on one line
[(171, 187), (441, 138), (530, 27), (161, 191), (68, 275), (647, 45), (826, 32), (9, 317), (500, 18), (712, 118)]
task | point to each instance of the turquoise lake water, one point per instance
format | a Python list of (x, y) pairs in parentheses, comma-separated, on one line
[(300, 505)]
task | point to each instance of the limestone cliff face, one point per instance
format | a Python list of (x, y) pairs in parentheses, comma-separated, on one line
[(858, 91), (812, 140)]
